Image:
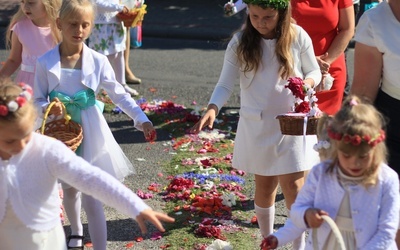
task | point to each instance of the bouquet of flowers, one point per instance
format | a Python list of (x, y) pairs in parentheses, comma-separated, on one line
[(305, 110)]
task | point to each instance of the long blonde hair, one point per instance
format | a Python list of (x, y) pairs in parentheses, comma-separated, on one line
[(250, 51), (51, 7)]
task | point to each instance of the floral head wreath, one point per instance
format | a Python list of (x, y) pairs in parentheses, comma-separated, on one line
[(7, 106), (357, 139), (275, 4)]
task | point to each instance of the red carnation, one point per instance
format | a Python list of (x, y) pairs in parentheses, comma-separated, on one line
[(367, 138), (20, 100), (295, 84), (303, 107), (3, 110), (356, 140)]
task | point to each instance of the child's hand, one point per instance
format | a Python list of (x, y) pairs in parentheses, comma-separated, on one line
[(154, 218), (149, 132), (271, 242), (313, 218), (57, 108), (207, 119)]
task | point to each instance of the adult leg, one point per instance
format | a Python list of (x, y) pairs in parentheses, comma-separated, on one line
[(264, 202), (291, 185), (118, 65), (129, 76), (96, 222), (72, 207)]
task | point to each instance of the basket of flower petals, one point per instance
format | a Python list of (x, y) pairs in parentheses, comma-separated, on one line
[(134, 17), (304, 119)]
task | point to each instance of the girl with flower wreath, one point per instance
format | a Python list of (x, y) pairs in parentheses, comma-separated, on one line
[(354, 186), (264, 54)]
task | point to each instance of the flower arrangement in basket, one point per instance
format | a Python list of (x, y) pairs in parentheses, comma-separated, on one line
[(305, 113), (134, 17)]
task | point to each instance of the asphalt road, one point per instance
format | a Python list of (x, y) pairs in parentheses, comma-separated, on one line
[(180, 70)]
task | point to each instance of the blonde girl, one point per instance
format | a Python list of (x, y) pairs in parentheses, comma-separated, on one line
[(30, 165), (32, 31), (268, 50), (355, 186), (73, 74)]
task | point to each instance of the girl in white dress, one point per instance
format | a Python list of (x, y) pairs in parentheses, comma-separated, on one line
[(354, 187), (268, 50), (30, 165), (73, 74)]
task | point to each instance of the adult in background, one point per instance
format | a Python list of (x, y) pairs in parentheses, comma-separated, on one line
[(330, 24), (377, 69)]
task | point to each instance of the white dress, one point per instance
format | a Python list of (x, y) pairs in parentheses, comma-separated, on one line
[(99, 146), (260, 148)]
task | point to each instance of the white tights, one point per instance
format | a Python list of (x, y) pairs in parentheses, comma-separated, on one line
[(95, 216)]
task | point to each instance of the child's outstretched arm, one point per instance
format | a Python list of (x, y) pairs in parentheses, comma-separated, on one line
[(14, 59), (95, 182), (206, 120), (149, 132), (154, 218)]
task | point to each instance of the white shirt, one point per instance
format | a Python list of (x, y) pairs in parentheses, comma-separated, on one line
[(379, 28), (29, 181)]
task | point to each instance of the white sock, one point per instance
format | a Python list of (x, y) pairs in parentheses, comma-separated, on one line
[(72, 207), (300, 242), (265, 218), (96, 222)]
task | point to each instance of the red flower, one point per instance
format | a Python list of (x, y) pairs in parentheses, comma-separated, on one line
[(20, 100), (3, 110), (303, 107), (296, 86), (356, 140)]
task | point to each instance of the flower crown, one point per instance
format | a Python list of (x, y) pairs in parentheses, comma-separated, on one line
[(18, 102), (357, 139), (275, 4)]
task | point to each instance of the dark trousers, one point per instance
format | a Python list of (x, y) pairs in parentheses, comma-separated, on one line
[(389, 107)]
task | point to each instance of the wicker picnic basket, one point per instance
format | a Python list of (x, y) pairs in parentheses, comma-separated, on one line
[(134, 17), (64, 129), (294, 125)]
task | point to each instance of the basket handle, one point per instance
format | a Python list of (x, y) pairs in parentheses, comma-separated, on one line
[(335, 231), (46, 115)]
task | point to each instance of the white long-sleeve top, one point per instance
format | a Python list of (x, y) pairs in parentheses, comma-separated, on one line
[(29, 181), (106, 11), (375, 210)]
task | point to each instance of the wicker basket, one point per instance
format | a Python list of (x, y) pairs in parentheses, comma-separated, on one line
[(65, 130), (134, 17), (294, 125), (335, 231)]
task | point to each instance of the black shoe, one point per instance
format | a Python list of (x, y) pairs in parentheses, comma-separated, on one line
[(79, 237)]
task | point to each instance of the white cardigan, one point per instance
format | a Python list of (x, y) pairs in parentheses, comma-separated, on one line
[(97, 74), (29, 181), (375, 211)]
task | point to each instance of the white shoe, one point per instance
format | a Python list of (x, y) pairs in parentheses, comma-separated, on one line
[(131, 91)]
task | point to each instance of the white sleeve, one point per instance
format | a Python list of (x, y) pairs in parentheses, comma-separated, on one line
[(228, 77), (309, 64), (119, 96), (75, 171)]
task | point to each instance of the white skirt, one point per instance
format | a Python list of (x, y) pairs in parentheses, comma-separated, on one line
[(14, 235)]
